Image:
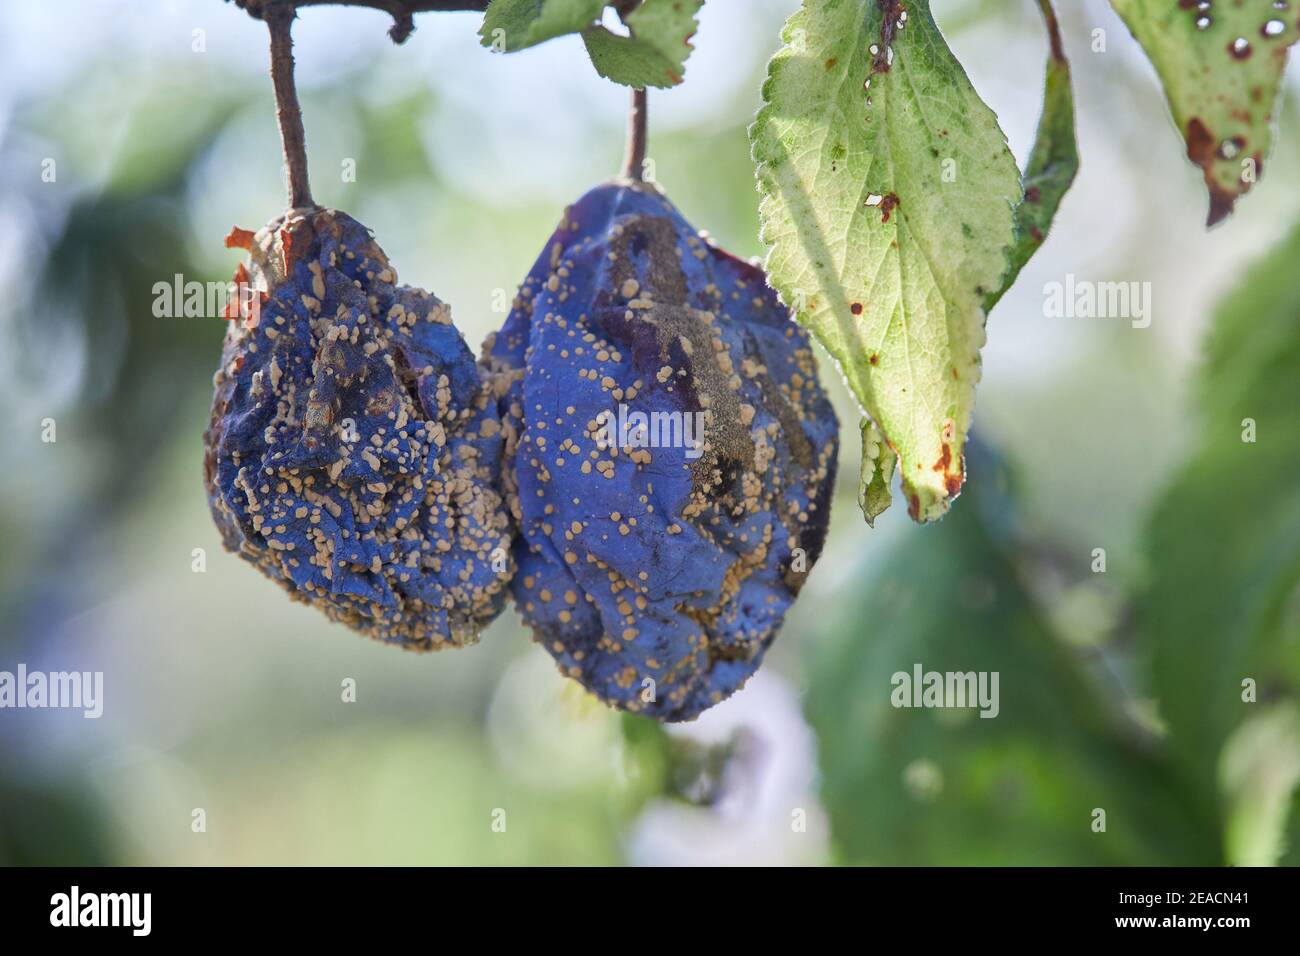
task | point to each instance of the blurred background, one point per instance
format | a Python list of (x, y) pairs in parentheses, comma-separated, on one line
[(1121, 688)]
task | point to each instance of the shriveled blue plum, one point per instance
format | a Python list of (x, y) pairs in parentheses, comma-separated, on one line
[(354, 451), (657, 572)]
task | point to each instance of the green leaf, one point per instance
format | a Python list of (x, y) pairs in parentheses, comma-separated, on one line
[(1052, 165), (1222, 605), (878, 464), (927, 786), (1221, 68), (516, 24), (655, 52), (887, 212)]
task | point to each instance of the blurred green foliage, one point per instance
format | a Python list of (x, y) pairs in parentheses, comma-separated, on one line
[(1221, 606), (917, 786)]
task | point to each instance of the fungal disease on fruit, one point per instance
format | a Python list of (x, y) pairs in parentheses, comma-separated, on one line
[(658, 571), (354, 451), (360, 457)]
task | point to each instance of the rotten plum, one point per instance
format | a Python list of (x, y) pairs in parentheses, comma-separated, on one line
[(354, 450), (655, 560)]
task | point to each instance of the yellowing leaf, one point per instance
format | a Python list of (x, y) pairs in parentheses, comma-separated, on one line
[(888, 196), (1221, 65)]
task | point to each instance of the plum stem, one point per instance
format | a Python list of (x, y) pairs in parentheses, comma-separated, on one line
[(279, 18), (634, 158)]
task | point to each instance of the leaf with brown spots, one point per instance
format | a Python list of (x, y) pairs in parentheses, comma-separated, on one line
[(883, 253), (1221, 66)]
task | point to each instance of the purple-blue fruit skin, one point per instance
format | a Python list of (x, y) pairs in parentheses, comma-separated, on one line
[(656, 580), (354, 452)]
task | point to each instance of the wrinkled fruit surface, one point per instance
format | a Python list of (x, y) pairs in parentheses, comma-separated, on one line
[(658, 576), (354, 452)]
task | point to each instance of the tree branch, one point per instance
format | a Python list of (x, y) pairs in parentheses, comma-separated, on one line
[(402, 11), (279, 16)]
